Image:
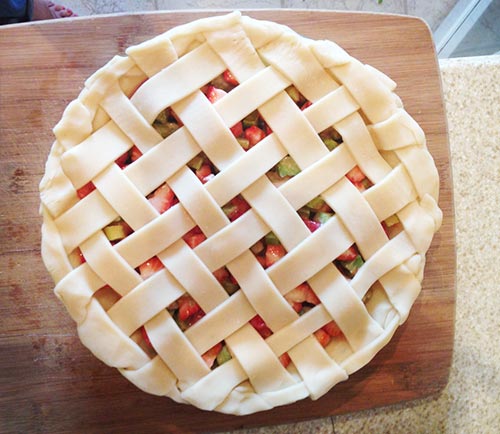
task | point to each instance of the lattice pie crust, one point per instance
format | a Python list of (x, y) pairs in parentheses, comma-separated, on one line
[(337, 241)]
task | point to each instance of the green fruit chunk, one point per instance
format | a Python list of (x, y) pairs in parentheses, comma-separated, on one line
[(392, 220), (294, 94), (330, 144), (287, 167), (316, 203), (196, 162), (244, 143), (251, 120), (165, 128), (354, 265), (322, 217), (271, 238), (223, 356), (115, 232)]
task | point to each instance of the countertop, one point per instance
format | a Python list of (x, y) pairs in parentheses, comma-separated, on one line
[(470, 403)]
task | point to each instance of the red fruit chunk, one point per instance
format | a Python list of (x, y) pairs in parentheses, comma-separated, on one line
[(349, 255), (332, 329), (258, 324), (150, 267), (221, 274), (82, 258), (237, 129), (85, 190), (204, 173), (311, 224), (254, 135), (162, 199), (238, 206), (355, 175), (274, 252), (214, 94), (210, 356), (229, 78), (128, 157), (322, 337), (187, 307), (122, 160), (193, 319), (306, 104), (194, 240), (285, 359), (135, 153), (145, 336), (302, 293)]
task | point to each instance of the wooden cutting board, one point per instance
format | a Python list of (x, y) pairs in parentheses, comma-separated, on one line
[(49, 381)]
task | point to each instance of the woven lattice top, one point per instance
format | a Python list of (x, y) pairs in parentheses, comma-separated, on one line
[(237, 217)]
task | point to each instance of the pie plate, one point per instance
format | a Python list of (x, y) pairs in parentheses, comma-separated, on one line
[(415, 356)]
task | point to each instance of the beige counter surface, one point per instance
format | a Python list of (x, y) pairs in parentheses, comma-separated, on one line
[(471, 401)]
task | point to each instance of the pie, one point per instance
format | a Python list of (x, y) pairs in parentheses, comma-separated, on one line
[(236, 216)]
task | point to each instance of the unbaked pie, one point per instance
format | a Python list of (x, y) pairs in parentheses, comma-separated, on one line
[(236, 216)]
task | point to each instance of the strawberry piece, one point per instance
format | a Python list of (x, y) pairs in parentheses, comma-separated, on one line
[(128, 157), (285, 359), (355, 175), (258, 324), (194, 240), (210, 356), (214, 94), (274, 252), (204, 173), (122, 160), (135, 153), (237, 129), (229, 78), (146, 337), (194, 231), (150, 267), (187, 307), (306, 104), (221, 274), (88, 188), (237, 207), (349, 255), (162, 199), (302, 293), (322, 337), (80, 255), (311, 224), (193, 319), (254, 135), (332, 329), (297, 307)]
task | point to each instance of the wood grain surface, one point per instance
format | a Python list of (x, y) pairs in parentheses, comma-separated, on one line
[(48, 381)]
